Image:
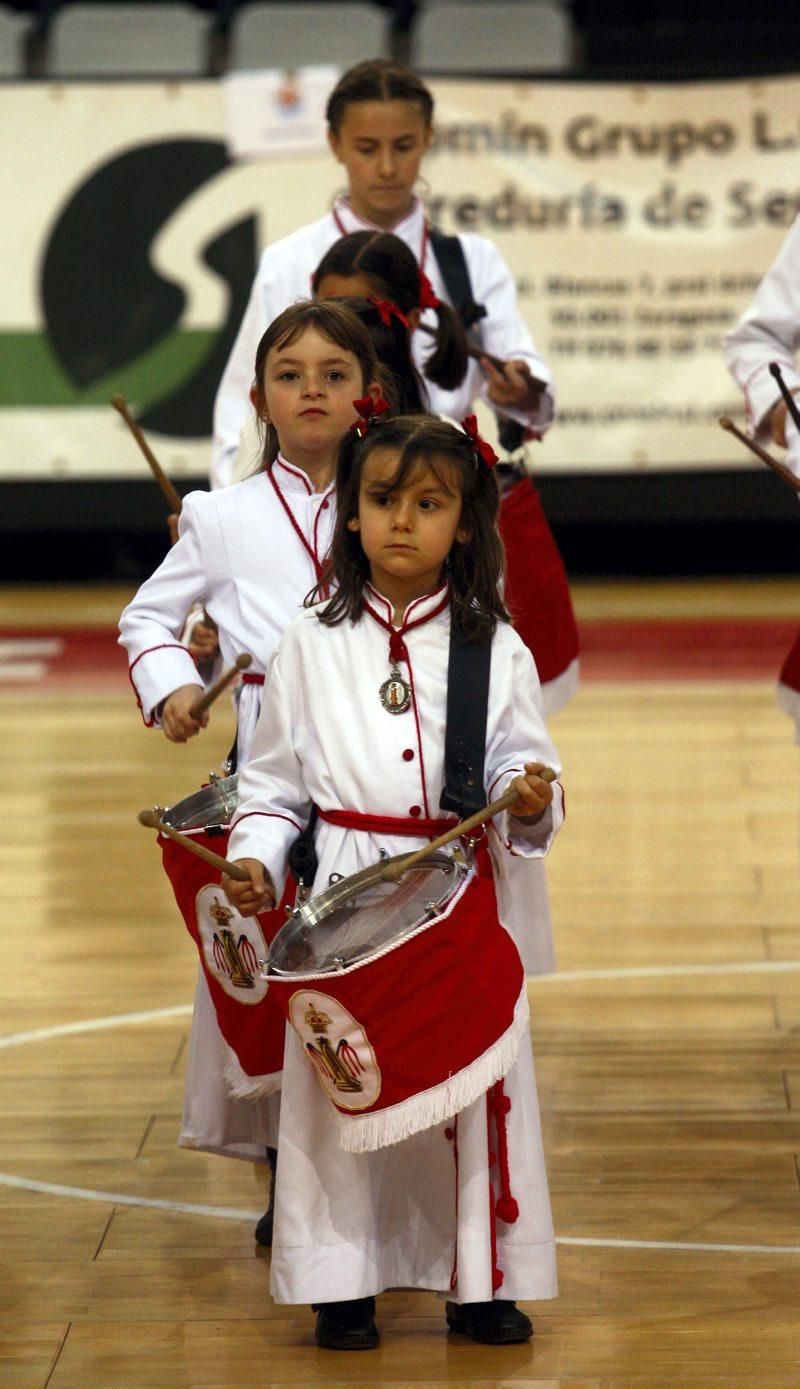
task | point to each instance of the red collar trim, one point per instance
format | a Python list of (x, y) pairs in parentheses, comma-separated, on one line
[(397, 646), (294, 474), (343, 205)]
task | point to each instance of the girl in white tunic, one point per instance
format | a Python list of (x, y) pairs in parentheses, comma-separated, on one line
[(250, 554), (535, 582), (769, 331), (379, 128), (415, 543)]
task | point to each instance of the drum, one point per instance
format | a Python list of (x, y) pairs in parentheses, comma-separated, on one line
[(232, 948), (408, 998), (209, 809)]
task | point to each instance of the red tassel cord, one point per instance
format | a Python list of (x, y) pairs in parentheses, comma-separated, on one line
[(499, 1106), (451, 1134), (502, 1207)]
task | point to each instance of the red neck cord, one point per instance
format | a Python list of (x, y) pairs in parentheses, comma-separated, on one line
[(312, 554), (397, 646)]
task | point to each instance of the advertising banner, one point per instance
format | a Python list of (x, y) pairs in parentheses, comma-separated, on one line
[(637, 221)]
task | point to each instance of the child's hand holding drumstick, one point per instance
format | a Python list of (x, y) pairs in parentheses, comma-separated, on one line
[(535, 792), (250, 898)]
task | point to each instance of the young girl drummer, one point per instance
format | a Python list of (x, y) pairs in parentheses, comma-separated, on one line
[(250, 554), (535, 588), (415, 546)]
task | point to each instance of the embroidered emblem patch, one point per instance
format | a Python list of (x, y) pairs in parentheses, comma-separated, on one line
[(233, 946), (338, 1048)]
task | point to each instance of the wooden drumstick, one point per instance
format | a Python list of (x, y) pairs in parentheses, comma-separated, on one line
[(394, 871), (200, 705), (788, 477), (173, 497), (153, 821), (791, 403)]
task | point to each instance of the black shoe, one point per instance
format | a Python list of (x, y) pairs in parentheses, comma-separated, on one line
[(347, 1325), (495, 1323), (263, 1230)]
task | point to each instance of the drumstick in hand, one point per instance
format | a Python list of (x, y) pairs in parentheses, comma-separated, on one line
[(393, 871), (153, 821), (200, 705), (788, 477), (791, 403), (173, 497)]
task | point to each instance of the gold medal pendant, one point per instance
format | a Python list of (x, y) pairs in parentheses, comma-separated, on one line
[(395, 693)]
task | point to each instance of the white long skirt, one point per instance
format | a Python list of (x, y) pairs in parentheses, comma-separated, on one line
[(414, 1215), (213, 1120)]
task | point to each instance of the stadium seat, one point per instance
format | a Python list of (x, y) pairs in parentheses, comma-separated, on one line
[(512, 37), (13, 28), (286, 34), (127, 40)]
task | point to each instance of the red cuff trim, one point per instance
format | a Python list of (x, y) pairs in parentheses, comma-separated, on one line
[(164, 646), (268, 815)]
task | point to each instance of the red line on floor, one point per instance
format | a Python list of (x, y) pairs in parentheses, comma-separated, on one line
[(661, 649)]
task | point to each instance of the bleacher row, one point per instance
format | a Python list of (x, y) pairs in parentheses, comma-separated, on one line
[(179, 40)]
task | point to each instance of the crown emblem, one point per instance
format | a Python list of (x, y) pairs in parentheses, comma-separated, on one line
[(222, 915), (314, 1018)]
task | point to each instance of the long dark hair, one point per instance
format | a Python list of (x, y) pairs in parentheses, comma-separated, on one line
[(392, 270), (377, 79), (473, 568), (392, 343), (336, 322)]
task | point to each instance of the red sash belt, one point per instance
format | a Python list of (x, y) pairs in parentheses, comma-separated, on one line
[(387, 824), (252, 679)]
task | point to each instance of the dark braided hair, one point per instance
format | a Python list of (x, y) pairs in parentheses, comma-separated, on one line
[(391, 267), (377, 79)]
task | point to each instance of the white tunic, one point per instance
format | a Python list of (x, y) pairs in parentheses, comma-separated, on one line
[(284, 276), (240, 556), (768, 331), (350, 1225)]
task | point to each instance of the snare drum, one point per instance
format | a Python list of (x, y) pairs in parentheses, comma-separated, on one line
[(232, 948), (408, 998), (209, 809)]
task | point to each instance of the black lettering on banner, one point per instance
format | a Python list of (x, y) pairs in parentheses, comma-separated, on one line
[(765, 139), (669, 207), (748, 206), (589, 138), (587, 208)]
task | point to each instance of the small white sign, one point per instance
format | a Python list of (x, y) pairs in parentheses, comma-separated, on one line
[(277, 111)]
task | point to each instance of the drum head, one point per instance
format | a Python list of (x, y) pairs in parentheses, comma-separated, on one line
[(362, 915), (213, 805)]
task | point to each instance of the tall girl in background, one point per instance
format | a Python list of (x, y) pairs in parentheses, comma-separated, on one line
[(415, 548), (379, 128), (250, 553)]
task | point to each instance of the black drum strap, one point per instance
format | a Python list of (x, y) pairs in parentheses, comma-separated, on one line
[(468, 671), (452, 262)]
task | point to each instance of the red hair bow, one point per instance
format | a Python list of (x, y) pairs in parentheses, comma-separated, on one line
[(484, 451), (387, 311), (369, 410), (427, 298)]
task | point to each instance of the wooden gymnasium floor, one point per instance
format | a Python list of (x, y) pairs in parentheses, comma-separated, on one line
[(667, 1047)]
